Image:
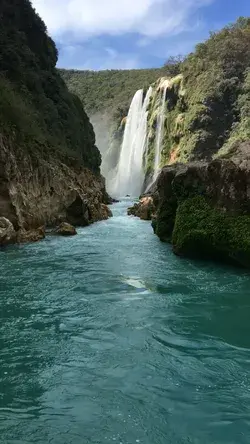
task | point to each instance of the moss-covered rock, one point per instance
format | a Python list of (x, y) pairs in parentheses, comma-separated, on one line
[(203, 208), (66, 229), (203, 231), (163, 224)]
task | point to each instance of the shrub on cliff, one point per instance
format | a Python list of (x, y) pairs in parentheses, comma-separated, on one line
[(109, 90), (214, 77), (36, 110), (203, 231)]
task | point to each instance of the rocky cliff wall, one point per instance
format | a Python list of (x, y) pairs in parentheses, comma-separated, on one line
[(49, 163), (41, 191), (203, 208)]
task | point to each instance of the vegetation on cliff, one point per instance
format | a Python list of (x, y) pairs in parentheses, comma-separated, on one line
[(203, 231), (37, 112), (203, 208), (207, 107), (109, 91), (214, 79), (49, 164), (207, 110)]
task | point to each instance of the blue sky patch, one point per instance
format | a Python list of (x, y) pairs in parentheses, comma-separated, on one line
[(126, 34)]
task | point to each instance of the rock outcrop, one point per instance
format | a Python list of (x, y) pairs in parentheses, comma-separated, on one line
[(34, 235), (203, 208), (66, 229), (144, 209), (7, 232), (45, 192)]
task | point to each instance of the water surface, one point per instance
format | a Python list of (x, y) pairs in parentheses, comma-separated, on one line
[(108, 337)]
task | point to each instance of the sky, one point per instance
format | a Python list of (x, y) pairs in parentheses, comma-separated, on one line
[(127, 34)]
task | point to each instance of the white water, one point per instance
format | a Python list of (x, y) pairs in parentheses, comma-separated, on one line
[(160, 131), (129, 177)]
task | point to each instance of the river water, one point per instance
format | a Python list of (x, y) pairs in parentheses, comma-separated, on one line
[(107, 337)]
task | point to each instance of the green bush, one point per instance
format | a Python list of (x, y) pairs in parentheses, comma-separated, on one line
[(203, 231), (214, 78)]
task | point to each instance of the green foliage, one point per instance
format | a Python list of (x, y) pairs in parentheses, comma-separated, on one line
[(211, 95), (214, 79), (36, 109), (207, 107), (241, 128), (203, 231), (173, 64), (173, 129), (109, 91)]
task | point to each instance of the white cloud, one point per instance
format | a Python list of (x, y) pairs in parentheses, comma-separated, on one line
[(103, 58), (86, 18)]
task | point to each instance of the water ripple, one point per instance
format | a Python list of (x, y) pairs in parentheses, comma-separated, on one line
[(108, 337)]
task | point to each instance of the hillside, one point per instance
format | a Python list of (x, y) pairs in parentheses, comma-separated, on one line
[(206, 109), (109, 90), (46, 139), (106, 96), (199, 200)]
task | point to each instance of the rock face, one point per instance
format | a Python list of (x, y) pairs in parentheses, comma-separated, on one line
[(34, 235), (106, 212), (39, 192), (203, 209), (66, 229), (49, 162), (144, 209), (7, 232)]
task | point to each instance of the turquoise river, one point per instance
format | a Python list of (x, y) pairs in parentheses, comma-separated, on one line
[(107, 337)]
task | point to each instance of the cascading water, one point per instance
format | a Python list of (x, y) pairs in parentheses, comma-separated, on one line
[(160, 130), (129, 177), (140, 146)]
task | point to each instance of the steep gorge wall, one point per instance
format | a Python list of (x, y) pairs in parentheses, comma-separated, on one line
[(41, 191), (49, 163)]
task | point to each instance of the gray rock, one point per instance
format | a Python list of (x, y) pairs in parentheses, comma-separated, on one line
[(7, 232), (66, 229)]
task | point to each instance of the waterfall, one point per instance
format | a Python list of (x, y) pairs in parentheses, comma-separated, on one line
[(129, 177), (160, 130)]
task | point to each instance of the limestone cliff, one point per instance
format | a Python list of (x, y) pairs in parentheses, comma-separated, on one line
[(49, 164), (47, 190)]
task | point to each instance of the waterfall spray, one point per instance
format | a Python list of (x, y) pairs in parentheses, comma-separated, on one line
[(129, 177)]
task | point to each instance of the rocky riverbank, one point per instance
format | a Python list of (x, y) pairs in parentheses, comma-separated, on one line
[(203, 208), (35, 193), (49, 162)]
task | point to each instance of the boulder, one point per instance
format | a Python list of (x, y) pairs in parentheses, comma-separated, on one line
[(65, 229), (144, 209), (106, 212), (7, 232), (35, 235)]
